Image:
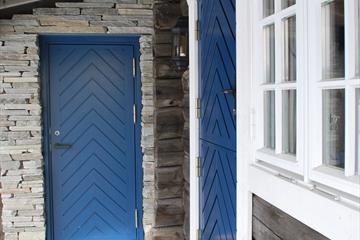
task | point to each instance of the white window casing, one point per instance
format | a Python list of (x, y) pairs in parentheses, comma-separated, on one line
[(324, 198)]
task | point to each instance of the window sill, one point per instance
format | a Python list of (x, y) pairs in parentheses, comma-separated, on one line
[(335, 178), (287, 162)]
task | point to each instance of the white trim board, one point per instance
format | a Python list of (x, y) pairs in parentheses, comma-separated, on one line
[(193, 121)]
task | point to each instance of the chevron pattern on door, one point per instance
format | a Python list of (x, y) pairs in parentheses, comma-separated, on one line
[(93, 177), (217, 124)]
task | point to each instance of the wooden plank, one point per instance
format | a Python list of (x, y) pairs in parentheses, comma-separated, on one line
[(282, 224), (261, 232)]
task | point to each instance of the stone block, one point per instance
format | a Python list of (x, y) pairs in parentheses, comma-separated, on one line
[(136, 12), (21, 106), (62, 22), (56, 11), (99, 11), (19, 56), (11, 49), (32, 164), (133, 6), (7, 165), (11, 236), (84, 5), (59, 29), (27, 156), (14, 99), (13, 62), (25, 128), (32, 236), (5, 22), (13, 37), (7, 29), (131, 30), (35, 212)]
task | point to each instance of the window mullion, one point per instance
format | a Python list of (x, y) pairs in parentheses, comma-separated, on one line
[(350, 38), (279, 41), (350, 134)]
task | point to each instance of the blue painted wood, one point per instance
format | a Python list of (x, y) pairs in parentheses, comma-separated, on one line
[(217, 49), (94, 185)]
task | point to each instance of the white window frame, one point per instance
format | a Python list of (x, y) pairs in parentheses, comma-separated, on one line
[(307, 166), (336, 219), (342, 180), (291, 163)]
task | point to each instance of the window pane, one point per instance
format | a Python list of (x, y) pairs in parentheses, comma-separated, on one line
[(333, 40), (269, 50), (334, 127), (357, 131), (290, 49), (269, 119), (289, 121), (287, 3), (268, 7)]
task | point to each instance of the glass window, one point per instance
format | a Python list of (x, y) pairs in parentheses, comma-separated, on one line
[(268, 7), (287, 3), (334, 127), (289, 121), (269, 119), (290, 49), (269, 51), (357, 131), (333, 39)]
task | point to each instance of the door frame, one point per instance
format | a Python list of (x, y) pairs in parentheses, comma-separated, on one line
[(243, 194), (45, 40)]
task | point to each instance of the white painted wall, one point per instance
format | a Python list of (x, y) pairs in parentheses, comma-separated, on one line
[(334, 218)]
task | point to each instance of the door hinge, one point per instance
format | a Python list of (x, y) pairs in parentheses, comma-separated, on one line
[(134, 68), (198, 234), (198, 108), (134, 112), (136, 218), (197, 31), (198, 166)]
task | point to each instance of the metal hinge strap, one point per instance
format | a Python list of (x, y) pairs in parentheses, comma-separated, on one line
[(136, 218), (198, 108), (134, 68), (198, 33), (198, 166), (198, 234)]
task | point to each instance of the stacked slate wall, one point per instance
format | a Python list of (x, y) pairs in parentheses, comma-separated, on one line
[(22, 179)]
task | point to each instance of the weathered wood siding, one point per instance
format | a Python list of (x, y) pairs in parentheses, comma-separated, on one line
[(270, 223)]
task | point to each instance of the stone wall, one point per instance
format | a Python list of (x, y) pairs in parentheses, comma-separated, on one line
[(22, 179)]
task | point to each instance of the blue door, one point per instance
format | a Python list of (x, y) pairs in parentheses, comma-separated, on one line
[(217, 119), (92, 140)]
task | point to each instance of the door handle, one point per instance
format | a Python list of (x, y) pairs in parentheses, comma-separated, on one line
[(229, 91), (62, 146)]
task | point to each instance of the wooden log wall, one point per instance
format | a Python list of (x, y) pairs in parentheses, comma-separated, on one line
[(169, 178), (270, 223)]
